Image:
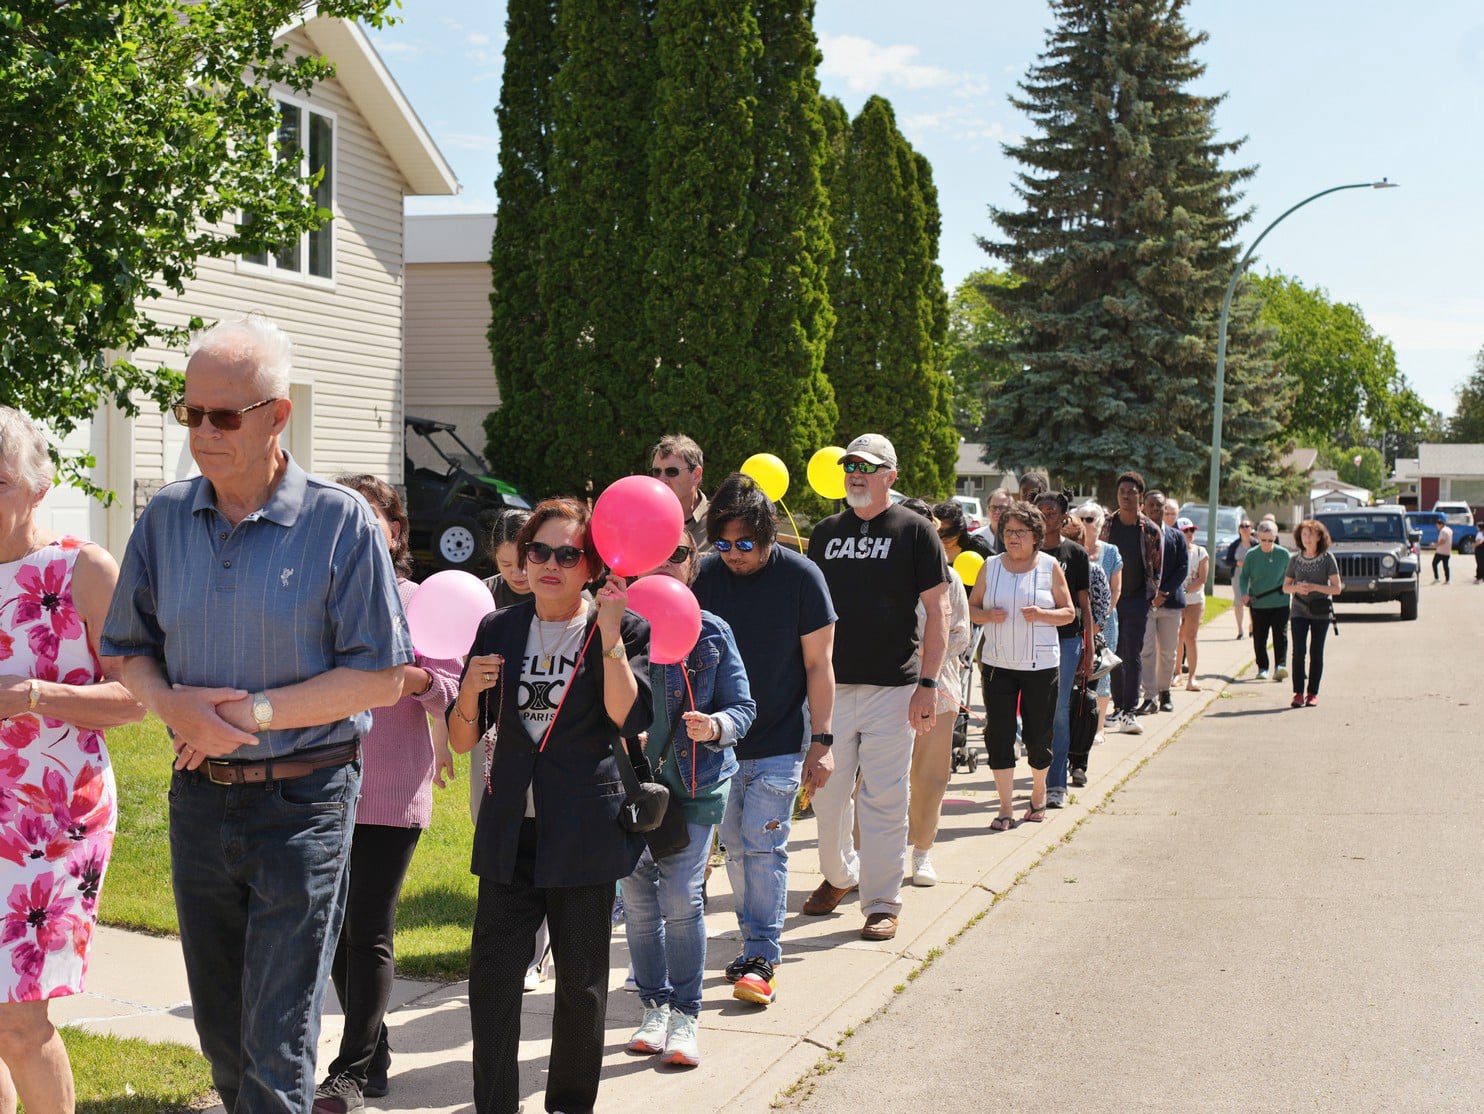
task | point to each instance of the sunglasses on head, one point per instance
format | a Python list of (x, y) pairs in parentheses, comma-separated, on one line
[(567, 556), (743, 545), (864, 467), (680, 556), (670, 472), (225, 420)]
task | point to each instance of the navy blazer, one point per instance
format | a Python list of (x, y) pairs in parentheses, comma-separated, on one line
[(575, 780), (1175, 567)]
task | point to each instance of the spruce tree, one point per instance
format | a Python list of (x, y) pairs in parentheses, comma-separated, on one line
[(599, 360), (885, 362), (1125, 243), (517, 332)]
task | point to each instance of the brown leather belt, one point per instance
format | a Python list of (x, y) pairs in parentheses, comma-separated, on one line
[(281, 769)]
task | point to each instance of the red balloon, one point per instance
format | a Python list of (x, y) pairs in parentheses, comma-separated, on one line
[(636, 524), (673, 613)]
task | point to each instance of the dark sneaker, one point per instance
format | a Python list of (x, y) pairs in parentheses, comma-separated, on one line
[(1165, 703), (758, 983), (1148, 708), (339, 1094), (375, 1086), (1079, 778), (737, 968)]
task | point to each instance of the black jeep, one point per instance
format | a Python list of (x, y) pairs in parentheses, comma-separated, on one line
[(450, 510)]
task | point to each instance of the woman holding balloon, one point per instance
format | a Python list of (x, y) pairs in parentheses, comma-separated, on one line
[(691, 753), (549, 688)]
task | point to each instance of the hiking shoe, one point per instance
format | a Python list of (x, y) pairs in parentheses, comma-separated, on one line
[(1281, 673), (375, 1086), (923, 873), (649, 1038), (682, 1040), (1079, 778), (757, 982), (338, 1095), (737, 968), (1131, 726), (824, 899)]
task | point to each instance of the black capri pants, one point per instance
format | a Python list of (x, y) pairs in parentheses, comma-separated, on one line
[(1034, 690)]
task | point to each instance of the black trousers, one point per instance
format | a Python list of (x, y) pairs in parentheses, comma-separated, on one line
[(1034, 690), (1308, 642), (505, 923), (364, 966), (1442, 559), (1274, 621)]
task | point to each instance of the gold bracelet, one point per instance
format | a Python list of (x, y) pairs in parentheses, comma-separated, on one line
[(460, 713)]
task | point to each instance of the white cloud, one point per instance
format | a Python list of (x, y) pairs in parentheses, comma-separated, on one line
[(471, 141), (476, 39), (397, 46), (866, 67)]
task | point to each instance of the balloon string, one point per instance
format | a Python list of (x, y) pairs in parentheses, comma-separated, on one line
[(684, 672), (792, 523)]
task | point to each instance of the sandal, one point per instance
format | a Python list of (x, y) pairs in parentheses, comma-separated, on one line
[(1034, 814), (1002, 823)]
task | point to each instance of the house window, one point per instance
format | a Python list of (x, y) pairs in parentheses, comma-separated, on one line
[(308, 136)]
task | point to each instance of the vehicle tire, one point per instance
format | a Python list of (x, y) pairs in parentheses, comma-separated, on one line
[(457, 542), (1409, 605), (1466, 547)]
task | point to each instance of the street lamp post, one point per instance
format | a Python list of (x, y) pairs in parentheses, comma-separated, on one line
[(1226, 308)]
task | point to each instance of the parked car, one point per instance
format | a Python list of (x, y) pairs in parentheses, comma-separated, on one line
[(1376, 554), (1458, 512), (1227, 521), (973, 512), (1428, 523), (449, 510)]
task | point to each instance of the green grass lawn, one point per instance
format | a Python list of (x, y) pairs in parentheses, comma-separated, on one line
[(114, 1075), (437, 908), (1215, 605)]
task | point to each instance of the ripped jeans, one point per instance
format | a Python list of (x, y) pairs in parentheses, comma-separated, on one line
[(754, 831)]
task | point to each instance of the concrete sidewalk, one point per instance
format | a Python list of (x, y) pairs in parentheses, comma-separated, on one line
[(829, 981)]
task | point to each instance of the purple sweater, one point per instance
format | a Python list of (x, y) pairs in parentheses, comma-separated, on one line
[(397, 753)]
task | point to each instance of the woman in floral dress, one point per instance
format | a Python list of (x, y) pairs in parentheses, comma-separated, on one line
[(57, 808)]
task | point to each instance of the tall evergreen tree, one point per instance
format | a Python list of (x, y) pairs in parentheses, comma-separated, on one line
[(703, 288), (518, 341), (885, 361), (1126, 243), (599, 360)]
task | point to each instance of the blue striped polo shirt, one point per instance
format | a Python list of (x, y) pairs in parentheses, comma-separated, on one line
[(298, 587)]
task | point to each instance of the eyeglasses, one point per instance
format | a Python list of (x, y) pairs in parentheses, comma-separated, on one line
[(669, 473), (680, 556), (744, 545), (864, 467), (1087, 518), (567, 556), (1019, 533), (224, 420)]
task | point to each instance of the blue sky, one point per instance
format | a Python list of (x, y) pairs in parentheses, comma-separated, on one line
[(1326, 93)]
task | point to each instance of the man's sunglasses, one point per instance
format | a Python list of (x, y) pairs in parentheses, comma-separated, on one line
[(224, 420), (670, 472), (744, 545), (864, 467), (567, 556), (680, 556)]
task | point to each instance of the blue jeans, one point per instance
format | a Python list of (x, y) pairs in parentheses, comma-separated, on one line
[(664, 921), (260, 880), (759, 814), (1061, 724)]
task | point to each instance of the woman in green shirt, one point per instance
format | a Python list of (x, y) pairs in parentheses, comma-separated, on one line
[(1260, 586)]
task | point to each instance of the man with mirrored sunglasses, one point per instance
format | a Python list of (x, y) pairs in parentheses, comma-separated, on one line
[(780, 613), (257, 614), (678, 463), (880, 562)]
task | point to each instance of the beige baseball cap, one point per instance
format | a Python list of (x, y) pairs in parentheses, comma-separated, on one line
[(873, 449)]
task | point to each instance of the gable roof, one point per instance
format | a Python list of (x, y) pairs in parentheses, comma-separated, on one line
[(387, 111), (1300, 460), (1450, 460), (971, 461)]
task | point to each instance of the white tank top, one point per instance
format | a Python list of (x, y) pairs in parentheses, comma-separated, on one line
[(1016, 643)]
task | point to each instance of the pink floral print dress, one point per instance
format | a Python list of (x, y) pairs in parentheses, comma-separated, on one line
[(57, 800)]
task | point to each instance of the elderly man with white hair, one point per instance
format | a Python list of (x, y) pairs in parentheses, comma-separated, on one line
[(257, 615)]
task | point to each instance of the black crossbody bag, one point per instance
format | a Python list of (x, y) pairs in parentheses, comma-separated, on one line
[(647, 808)]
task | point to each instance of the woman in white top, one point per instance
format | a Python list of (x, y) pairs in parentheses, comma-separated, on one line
[(1022, 596), (1195, 601)]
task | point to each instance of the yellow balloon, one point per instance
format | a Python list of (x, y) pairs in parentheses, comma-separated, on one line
[(825, 474), (770, 473), (967, 564)]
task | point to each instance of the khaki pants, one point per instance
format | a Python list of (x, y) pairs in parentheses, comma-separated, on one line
[(872, 740), (1161, 642)]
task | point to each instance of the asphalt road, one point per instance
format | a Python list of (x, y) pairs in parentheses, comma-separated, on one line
[(1283, 910)]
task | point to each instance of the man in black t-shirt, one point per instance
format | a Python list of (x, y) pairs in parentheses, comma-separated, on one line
[(879, 562), (1139, 543)]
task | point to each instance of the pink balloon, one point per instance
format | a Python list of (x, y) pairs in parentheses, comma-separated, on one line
[(636, 524), (673, 613), (444, 613)]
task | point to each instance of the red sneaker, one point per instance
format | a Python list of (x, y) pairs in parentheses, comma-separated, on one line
[(1312, 700), (1298, 700)]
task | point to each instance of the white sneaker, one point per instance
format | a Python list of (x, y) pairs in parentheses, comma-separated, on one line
[(533, 979), (682, 1042), (1056, 798), (1281, 673), (923, 873), (1262, 674), (650, 1036), (1131, 724), (630, 983)]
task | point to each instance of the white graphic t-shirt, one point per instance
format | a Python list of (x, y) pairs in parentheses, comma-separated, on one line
[(550, 660)]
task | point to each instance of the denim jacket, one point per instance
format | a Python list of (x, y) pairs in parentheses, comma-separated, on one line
[(718, 681)]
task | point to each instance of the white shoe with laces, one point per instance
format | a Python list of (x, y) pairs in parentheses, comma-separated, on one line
[(923, 873), (650, 1036), (682, 1042)]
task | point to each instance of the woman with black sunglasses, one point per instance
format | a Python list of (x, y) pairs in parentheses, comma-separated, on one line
[(550, 688)]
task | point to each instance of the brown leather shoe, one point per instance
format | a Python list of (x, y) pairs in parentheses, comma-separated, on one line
[(879, 926), (824, 899)]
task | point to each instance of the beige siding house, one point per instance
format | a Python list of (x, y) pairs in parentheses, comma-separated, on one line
[(450, 377), (339, 293)]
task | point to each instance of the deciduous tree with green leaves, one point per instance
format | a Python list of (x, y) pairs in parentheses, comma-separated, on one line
[(1467, 422), (978, 334), (129, 144)]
